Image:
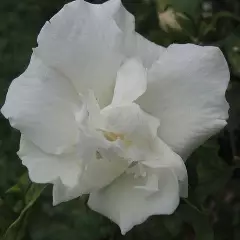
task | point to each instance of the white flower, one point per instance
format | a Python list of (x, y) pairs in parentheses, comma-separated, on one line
[(104, 111)]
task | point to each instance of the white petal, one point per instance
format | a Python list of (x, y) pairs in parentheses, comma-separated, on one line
[(186, 91), (138, 128), (84, 42), (135, 46), (131, 82), (47, 168), (130, 119), (41, 104), (95, 119), (124, 19), (98, 174), (166, 158), (152, 185), (141, 48), (128, 205)]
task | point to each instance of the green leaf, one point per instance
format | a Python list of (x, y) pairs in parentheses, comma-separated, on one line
[(198, 221), (215, 19), (21, 186), (173, 224), (213, 173), (16, 230), (213, 185), (232, 48)]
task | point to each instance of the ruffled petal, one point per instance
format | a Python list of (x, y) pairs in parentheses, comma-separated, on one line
[(47, 168), (99, 173), (166, 158), (186, 91), (130, 120), (129, 201), (124, 19), (141, 48), (135, 45), (84, 42), (88, 43), (131, 82), (137, 128), (41, 103)]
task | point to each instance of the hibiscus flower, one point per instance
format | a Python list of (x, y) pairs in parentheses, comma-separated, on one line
[(103, 111)]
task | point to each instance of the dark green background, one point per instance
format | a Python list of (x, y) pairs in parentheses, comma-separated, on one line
[(212, 210)]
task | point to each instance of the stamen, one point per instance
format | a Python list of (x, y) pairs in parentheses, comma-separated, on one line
[(111, 136)]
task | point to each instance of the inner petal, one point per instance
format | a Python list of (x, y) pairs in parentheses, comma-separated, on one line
[(134, 129), (131, 82), (129, 133)]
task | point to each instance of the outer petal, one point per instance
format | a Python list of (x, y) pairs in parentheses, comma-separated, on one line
[(47, 168), (41, 104), (186, 90), (127, 203), (131, 82), (135, 46), (141, 48), (84, 42), (124, 19), (98, 174), (89, 42)]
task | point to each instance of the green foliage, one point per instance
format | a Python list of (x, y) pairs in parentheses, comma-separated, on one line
[(232, 48), (212, 211), (17, 203), (17, 229), (198, 221)]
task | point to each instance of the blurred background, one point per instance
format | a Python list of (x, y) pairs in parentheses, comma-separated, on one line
[(212, 211)]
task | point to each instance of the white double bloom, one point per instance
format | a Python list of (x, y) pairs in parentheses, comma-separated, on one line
[(104, 111)]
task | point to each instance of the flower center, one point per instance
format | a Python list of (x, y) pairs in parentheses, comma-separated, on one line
[(111, 136)]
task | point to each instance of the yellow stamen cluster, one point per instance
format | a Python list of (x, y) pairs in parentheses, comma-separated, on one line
[(111, 136)]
